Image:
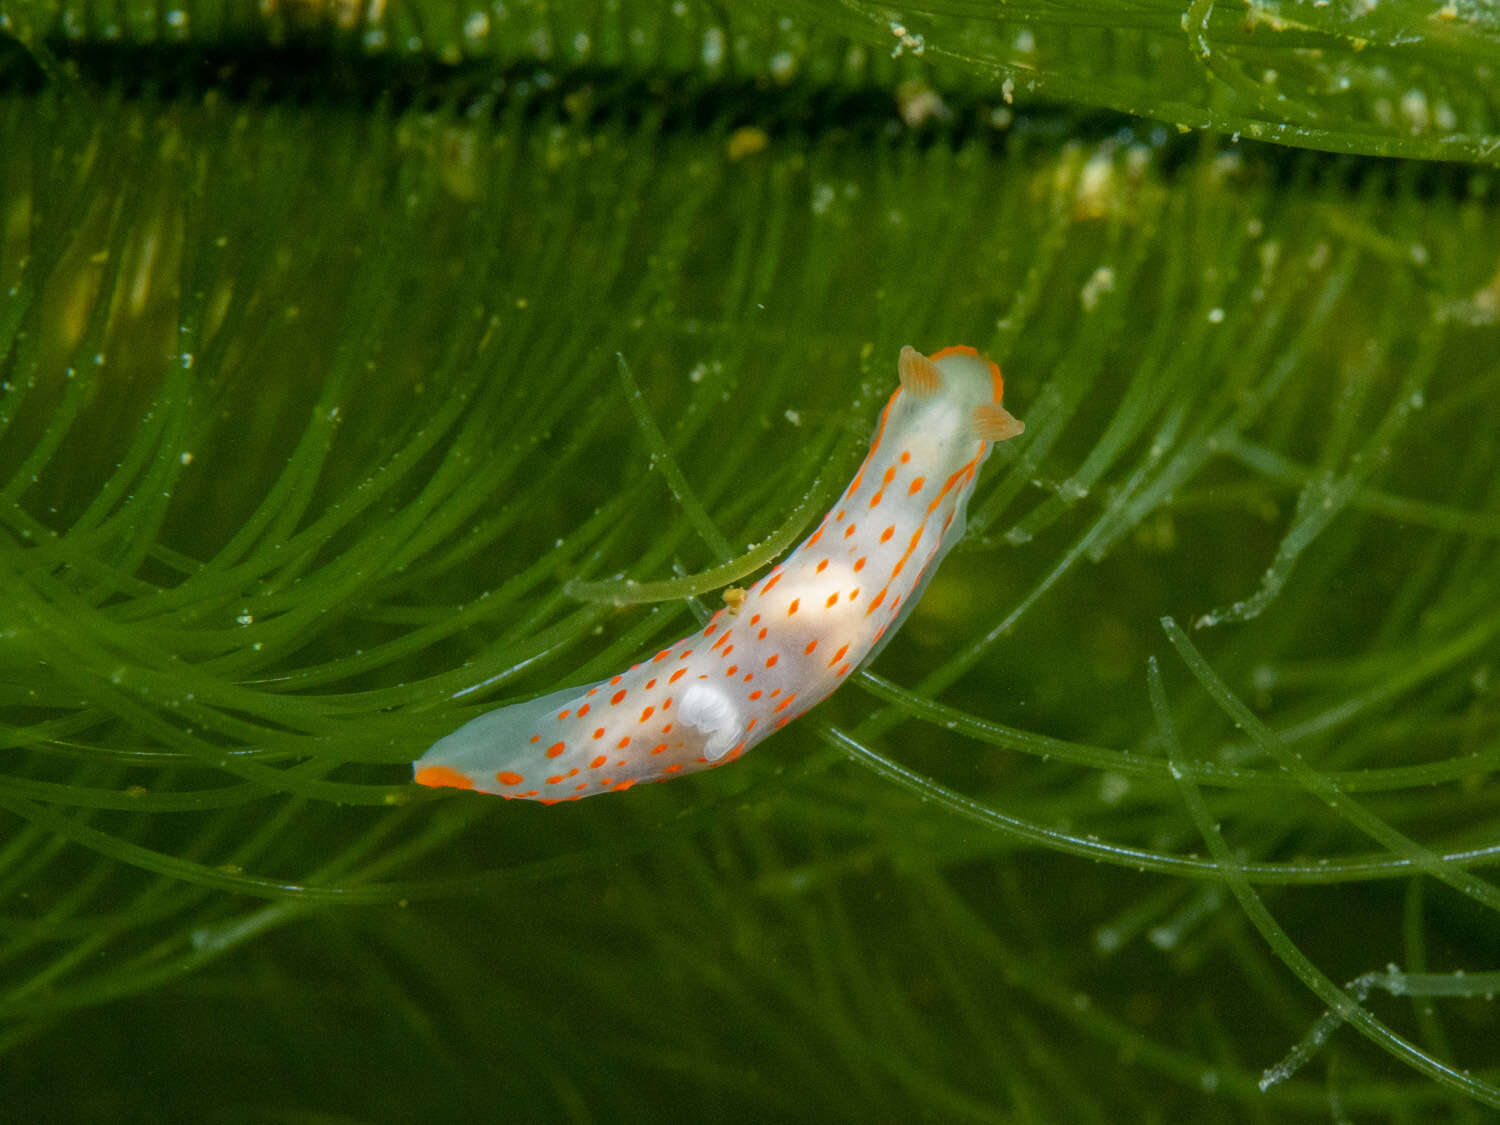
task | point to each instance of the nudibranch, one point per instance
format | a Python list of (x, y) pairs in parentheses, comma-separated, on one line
[(779, 646)]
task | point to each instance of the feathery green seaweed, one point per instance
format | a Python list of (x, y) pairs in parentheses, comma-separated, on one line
[(365, 367)]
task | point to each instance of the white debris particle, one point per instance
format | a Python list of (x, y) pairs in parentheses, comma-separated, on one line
[(1102, 281), (906, 41), (1414, 109), (713, 47), (1113, 787)]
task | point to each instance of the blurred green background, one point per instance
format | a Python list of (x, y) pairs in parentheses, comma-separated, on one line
[(313, 445)]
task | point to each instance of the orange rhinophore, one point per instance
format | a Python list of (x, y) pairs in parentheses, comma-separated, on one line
[(853, 593)]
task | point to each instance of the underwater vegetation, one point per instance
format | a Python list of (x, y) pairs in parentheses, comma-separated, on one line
[(1174, 800)]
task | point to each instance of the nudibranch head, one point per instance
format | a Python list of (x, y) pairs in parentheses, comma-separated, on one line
[(974, 385), (952, 401)]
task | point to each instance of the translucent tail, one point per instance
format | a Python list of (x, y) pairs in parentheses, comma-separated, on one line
[(479, 752)]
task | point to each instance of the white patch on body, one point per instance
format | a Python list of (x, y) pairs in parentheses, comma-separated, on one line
[(710, 712)]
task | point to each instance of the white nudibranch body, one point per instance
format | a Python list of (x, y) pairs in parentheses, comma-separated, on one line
[(787, 641)]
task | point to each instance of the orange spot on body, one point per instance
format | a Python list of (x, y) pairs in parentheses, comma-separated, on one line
[(792, 608), (916, 485), (443, 777), (771, 581), (624, 742), (731, 670), (650, 684), (556, 780), (673, 768), (838, 656), (859, 564), (832, 598), (659, 748), (619, 695), (771, 660), (787, 702), (561, 715), (885, 536), (613, 680), (584, 710), (875, 603), (509, 777), (556, 749), (755, 619), (624, 785), (821, 567), (686, 653), (710, 629), (662, 655), (647, 713), (813, 539), (677, 675), (597, 762), (534, 738), (755, 694), (848, 531), (762, 634), (598, 732), (854, 594), (811, 645)]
